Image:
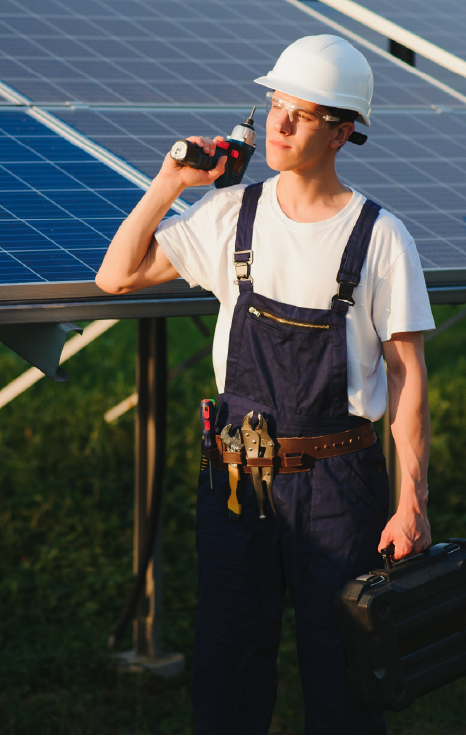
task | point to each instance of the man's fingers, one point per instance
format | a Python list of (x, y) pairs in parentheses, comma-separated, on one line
[(219, 169), (386, 539), (401, 550), (206, 143), (407, 548)]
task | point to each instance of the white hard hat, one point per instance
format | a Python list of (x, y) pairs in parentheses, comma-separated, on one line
[(326, 70)]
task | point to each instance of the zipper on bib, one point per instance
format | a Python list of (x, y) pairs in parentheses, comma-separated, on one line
[(282, 320)]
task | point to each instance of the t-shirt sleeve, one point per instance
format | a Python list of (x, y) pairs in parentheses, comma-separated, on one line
[(401, 302), (195, 241)]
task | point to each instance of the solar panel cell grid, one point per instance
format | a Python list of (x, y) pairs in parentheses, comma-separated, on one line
[(59, 206), (413, 164), (175, 53)]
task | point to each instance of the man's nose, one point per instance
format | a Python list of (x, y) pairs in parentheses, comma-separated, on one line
[(283, 123)]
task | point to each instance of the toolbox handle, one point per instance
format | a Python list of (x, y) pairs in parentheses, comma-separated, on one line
[(387, 553), (453, 545)]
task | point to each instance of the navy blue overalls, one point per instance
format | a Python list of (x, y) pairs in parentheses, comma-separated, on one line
[(328, 524)]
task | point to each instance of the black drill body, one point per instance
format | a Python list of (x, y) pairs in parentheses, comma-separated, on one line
[(238, 148)]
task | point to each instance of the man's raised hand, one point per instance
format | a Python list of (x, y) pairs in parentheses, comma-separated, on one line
[(184, 176)]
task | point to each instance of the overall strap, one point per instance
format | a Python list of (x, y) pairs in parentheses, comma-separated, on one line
[(355, 253), (242, 257)]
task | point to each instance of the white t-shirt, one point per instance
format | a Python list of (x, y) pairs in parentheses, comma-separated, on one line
[(297, 263)]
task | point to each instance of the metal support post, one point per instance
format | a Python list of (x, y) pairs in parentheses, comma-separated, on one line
[(150, 461), (150, 464)]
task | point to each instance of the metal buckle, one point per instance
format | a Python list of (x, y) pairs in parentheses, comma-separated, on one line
[(345, 291), (243, 268)]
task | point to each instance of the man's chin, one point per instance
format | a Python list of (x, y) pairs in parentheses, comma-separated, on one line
[(278, 161)]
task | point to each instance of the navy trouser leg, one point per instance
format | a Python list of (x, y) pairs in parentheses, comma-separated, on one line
[(331, 522), (241, 592), (328, 529)]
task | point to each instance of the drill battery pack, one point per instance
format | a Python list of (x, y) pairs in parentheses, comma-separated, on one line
[(404, 628)]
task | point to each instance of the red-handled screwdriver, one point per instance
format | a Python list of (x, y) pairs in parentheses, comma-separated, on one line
[(207, 415)]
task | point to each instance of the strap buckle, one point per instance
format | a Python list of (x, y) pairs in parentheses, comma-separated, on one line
[(345, 291), (243, 268)]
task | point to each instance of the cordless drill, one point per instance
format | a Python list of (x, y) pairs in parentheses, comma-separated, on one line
[(238, 147)]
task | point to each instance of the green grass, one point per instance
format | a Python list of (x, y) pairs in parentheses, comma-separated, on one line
[(66, 506)]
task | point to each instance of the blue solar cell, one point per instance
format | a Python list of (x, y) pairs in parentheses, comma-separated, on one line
[(12, 151), (19, 123), (59, 207), (107, 227), (57, 265), (123, 199), (4, 214), (30, 205), (18, 236), (95, 175), (92, 257), (42, 176), (54, 148), (7, 181), (84, 203), (13, 271), (71, 234)]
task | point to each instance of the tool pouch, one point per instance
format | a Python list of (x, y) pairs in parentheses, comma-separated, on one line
[(211, 453)]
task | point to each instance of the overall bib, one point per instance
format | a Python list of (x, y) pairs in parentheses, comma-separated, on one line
[(328, 523)]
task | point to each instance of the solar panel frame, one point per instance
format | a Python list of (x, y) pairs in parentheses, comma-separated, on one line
[(400, 141), (442, 23), (436, 71)]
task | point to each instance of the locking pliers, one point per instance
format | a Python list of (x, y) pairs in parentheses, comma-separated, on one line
[(259, 444)]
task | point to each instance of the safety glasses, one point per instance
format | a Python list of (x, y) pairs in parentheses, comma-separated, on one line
[(311, 119)]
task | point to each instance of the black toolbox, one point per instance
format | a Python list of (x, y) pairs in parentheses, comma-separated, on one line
[(404, 627)]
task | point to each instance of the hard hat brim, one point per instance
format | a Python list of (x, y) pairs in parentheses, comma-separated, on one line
[(318, 96)]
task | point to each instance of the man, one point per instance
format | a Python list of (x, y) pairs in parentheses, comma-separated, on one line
[(333, 282)]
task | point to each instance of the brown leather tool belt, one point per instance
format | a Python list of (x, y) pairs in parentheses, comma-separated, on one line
[(296, 454)]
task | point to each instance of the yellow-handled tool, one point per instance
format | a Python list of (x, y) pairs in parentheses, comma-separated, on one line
[(233, 444), (234, 506)]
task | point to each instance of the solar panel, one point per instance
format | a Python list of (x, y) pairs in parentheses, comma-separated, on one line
[(181, 52), (413, 163), (59, 206), (59, 209), (140, 73)]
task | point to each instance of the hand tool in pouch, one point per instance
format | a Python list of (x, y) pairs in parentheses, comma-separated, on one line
[(238, 147), (233, 444), (207, 417), (404, 627), (259, 444)]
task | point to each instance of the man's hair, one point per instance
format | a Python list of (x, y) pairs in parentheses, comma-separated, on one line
[(346, 116)]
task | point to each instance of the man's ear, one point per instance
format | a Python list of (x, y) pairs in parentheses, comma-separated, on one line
[(342, 133)]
